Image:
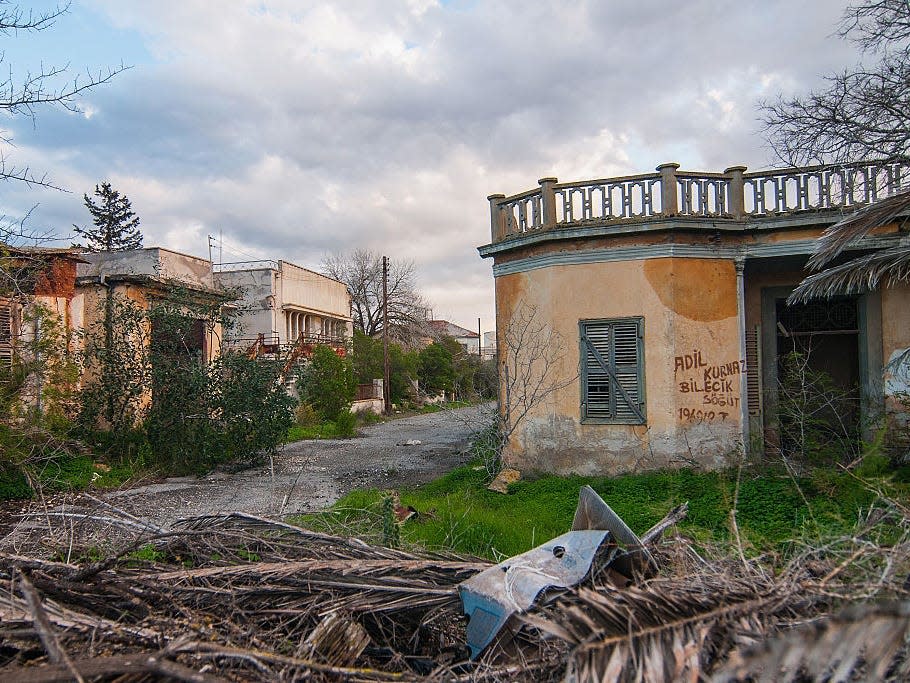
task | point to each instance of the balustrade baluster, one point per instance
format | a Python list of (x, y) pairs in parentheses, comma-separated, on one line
[(548, 202), (704, 195), (669, 205)]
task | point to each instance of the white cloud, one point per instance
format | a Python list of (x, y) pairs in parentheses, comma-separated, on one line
[(301, 129)]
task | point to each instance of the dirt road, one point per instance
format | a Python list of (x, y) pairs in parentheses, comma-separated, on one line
[(311, 475)]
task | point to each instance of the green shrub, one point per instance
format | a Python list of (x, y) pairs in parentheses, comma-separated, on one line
[(327, 382), (306, 415), (435, 368), (346, 423), (201, 414), (13, 484)]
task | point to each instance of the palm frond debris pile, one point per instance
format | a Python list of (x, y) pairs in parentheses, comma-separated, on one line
[(241, 598)]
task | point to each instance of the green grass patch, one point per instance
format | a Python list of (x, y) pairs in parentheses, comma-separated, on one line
[(146, 553), (345, 427), (35, 455), (457, 512), (326, 430)]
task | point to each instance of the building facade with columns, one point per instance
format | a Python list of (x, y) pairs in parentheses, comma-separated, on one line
[(285, 303), (642, 321)]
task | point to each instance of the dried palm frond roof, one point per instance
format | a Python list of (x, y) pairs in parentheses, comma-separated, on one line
[(888, 266)]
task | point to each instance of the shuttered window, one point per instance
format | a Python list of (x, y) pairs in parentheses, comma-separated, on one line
[(612, 371), (753, 376), (7, 336)]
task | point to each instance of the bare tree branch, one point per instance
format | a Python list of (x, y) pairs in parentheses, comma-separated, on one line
[(863, 112), (875, 25), (361, 271), (13, 18), (46, 86), (530, 357)]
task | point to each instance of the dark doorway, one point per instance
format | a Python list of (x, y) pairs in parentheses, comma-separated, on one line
[(818, 370)]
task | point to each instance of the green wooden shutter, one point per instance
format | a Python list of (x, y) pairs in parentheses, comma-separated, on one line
[(7, 334), (612, 370)]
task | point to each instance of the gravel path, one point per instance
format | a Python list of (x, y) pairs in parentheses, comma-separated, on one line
[(311, 475)]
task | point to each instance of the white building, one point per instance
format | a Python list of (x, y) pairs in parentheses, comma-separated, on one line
[(469, 340), (284, 302)]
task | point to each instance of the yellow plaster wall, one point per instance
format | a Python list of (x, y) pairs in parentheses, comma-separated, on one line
[(690, 311), (895, 345), (895, 320)]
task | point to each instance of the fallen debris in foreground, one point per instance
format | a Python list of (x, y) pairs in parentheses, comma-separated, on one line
[(240, 598)]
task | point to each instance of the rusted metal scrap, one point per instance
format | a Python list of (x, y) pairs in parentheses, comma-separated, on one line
[(491, 597)]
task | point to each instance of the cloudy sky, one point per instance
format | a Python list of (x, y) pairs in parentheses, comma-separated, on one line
[(298, 128)]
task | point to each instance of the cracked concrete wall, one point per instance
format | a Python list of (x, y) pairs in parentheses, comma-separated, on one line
[(150, 261)]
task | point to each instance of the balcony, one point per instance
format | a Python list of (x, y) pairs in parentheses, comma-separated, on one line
[(734, 196)]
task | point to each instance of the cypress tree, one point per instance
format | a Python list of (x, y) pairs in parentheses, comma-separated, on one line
[(116, 226)]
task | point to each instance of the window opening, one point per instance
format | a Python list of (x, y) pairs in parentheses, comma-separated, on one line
[(613, 370)]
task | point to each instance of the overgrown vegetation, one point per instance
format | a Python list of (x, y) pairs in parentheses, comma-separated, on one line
[(441, 366), (327, 383), (37, 397), (819, 421), (151, 394), (775, 513), (344, 426)]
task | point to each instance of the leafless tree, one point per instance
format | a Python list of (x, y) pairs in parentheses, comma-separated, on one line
[(361, 271), (49, 85), (863, 112), (530, 358)]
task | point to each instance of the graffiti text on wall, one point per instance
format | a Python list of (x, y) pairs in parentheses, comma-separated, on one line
[(897, 373), (709, 384)]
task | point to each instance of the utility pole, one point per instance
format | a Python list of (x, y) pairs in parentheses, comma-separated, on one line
[(386, 374), (479, 340), (211, 262)]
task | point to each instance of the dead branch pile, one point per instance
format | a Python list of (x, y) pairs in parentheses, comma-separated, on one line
[(241, 598)]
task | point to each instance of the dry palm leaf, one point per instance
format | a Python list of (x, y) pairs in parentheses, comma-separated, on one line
[(839, 236), (890, 266), (664, 631), (863, 640)]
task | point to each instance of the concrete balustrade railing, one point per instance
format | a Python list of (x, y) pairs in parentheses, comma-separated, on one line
[(731, 195)]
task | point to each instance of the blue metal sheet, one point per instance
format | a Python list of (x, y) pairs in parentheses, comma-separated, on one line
[(492, 596)]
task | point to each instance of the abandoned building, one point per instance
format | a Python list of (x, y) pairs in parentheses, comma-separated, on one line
[(283, 303), (665, 294), (469, 340), (37, 282), (145, 276), (283, 310)]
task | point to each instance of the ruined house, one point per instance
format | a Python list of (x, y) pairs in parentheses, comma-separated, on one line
[(145, 276), (37, 292), (468, 339), (283, 304), (666, 293)]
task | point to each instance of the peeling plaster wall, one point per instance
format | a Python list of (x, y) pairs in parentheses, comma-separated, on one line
[(896, 354), (259, 307), (690, 319)]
